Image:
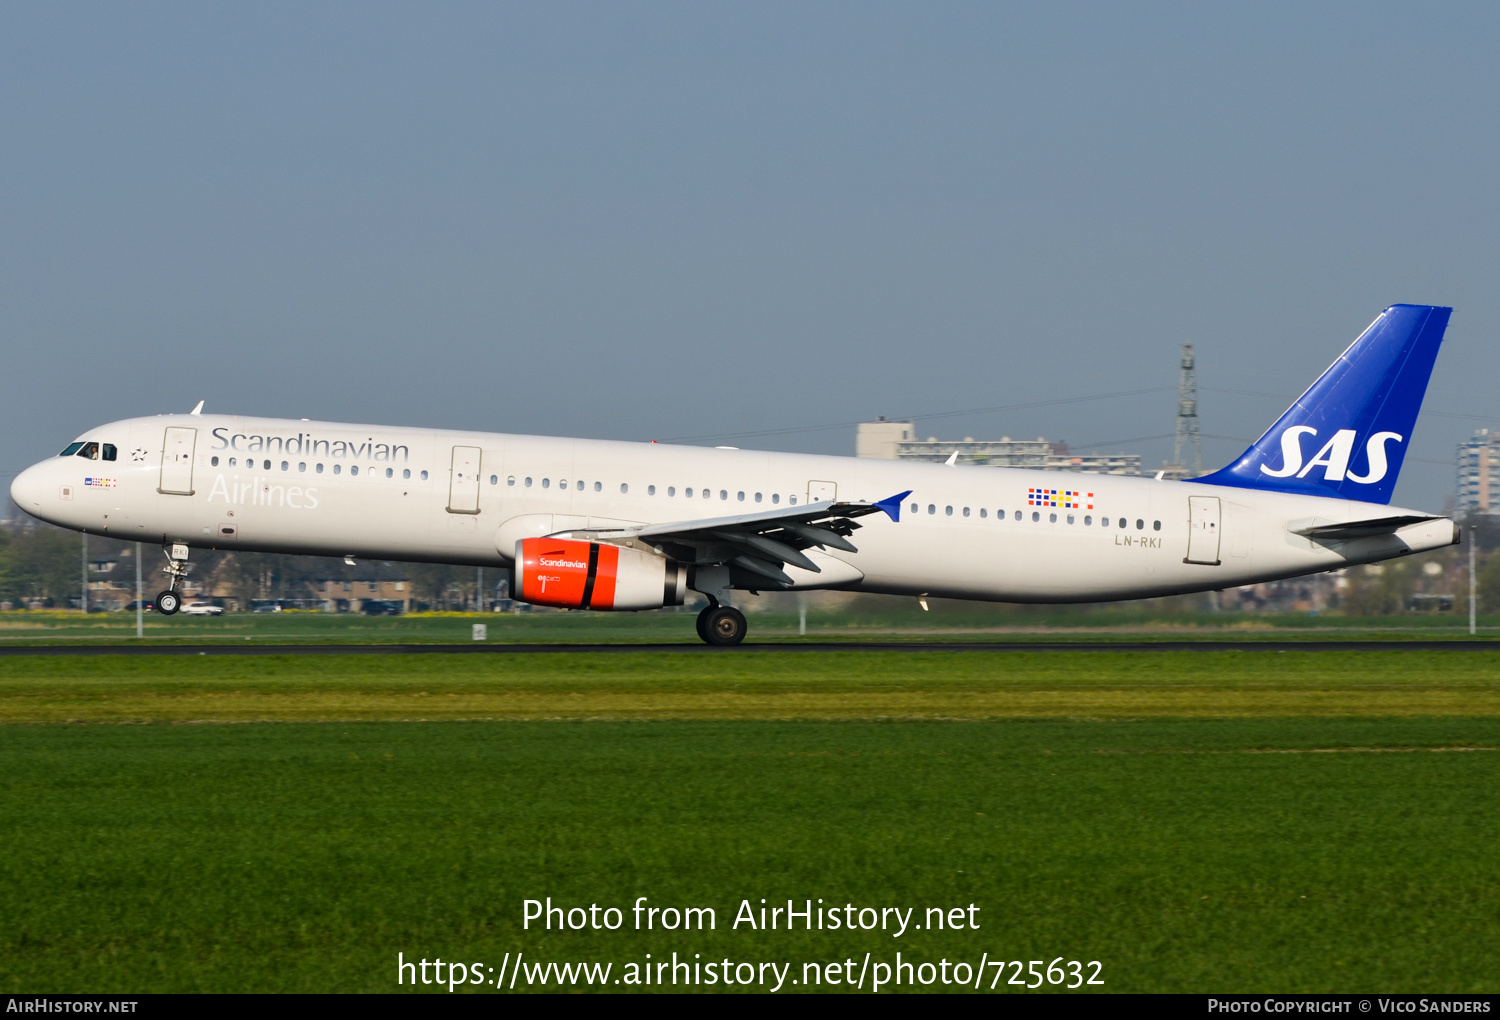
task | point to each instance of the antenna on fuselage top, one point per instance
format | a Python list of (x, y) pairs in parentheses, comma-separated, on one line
[(198, 409)]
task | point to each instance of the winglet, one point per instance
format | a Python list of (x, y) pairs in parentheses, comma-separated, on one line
[(198, 409), (892, 505)]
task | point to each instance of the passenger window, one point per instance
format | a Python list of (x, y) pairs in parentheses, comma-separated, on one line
[(268, 465), (510, 480), (1018, 515), (949, 511), (1052, 518), (599, 487), (985, 513), (688, 493), (1087, 521), (424, 476), (338, 469), (775, 498), (528, 479), (672, 490), (285, 466), (562, 483), (1070, 518), (742, 497), (319, 468), (302, 467), (213, 462), (580, 485), (916, 508), (1156, 525), (708, 493), (1124, 523), (354, 469), (932, 508), (109, 451), (546, 483), (494, 479), (757, 497), (650, 490), (624, 488), (791, 500), (966, 511), (723, 493), (1034, 515), (1140, 525), (71, 449)]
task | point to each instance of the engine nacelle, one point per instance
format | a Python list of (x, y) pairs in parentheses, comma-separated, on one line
[(595, 575)]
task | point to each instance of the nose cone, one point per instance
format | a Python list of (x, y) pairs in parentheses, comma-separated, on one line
[(30, 490)]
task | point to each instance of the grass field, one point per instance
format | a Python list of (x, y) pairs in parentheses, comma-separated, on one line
[(1194, 821), (861, 621), (767, 685)]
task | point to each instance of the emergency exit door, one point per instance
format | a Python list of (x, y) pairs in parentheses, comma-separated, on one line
[(177, 462), (1203, 530), (463, 483), (818, 492)]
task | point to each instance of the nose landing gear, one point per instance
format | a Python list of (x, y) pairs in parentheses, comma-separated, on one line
[(168, 602)]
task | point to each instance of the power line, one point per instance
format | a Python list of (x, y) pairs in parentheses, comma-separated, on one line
[(914, 417)]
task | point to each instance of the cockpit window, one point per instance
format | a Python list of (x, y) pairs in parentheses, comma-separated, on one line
[(109, 451), (90, 450), (71, 449)]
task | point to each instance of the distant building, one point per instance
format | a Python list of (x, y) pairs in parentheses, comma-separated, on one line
[(896, 440), (1479, 474)]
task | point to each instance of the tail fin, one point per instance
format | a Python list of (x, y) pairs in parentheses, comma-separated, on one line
[(1356, 420)]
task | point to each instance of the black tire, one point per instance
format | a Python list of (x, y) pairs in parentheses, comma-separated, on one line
[(168, 602), (702, 622), (724, 626)]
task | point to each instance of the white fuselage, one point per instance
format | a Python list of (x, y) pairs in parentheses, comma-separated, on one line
[(331, 489)]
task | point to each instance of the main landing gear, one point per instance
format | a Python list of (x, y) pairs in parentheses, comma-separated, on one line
[(721, 625), (168, 602)]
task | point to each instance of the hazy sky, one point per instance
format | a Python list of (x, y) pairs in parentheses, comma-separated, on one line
[(705, 220)]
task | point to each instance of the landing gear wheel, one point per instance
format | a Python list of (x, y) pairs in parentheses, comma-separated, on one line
[(700, 621), (722, 625), (168, 602)]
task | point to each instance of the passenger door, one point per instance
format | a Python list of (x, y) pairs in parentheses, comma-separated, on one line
[(1203, 530), (463, 482), (177, 462)]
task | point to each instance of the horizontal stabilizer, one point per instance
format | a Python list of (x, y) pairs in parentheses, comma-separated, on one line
[(1361, 529)]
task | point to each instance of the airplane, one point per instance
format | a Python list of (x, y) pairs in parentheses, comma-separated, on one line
[(625, 526)]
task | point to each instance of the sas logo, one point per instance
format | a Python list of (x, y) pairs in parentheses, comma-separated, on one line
[(1333, 458), (101, 483), (1058, 497)]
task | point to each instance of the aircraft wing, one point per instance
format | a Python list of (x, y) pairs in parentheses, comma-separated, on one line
[(758, 544), (1361, 529)]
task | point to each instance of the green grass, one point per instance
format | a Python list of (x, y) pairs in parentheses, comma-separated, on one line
[(862, 620), (764, 685), (1204, 855), (1195, 821)]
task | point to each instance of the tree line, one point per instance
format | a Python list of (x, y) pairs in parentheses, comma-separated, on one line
[(45, 564)]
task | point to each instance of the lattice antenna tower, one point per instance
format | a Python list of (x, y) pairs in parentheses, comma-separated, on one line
[(1187, 414)]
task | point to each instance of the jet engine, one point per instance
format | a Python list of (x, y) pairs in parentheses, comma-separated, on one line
[(574, 574)]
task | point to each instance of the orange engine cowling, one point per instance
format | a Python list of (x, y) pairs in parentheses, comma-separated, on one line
[(595, 575)]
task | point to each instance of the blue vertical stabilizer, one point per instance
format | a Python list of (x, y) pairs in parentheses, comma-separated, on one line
[(1348, 434)]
